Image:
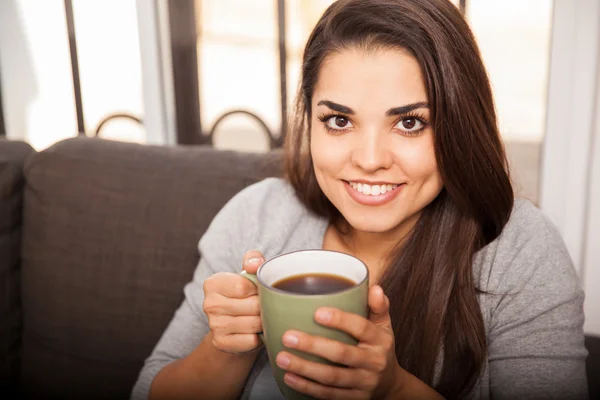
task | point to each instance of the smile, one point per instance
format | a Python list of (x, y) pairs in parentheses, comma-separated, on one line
[(372, 190), (372, 194)]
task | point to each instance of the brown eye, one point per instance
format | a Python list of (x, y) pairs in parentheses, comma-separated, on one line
[(410, 125), (341, 122), (338, 123)]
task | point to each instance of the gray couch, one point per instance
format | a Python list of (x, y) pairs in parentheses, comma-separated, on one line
[(97, 239)]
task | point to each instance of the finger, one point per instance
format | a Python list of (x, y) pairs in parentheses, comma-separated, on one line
[(252, 260), (379, 307), (319, 391), (226, 325), (329, 375), (236, 344), (217, 304), (229, 285), (356, 326), (332, 350)]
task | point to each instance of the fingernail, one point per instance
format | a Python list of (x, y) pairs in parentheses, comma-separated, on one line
[(323, 315), (282, 360), (289, 379), (290, 340), (254, 261)]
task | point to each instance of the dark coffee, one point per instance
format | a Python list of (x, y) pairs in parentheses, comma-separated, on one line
[(314, 283)]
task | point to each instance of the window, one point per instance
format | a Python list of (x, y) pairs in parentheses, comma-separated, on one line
[(239, 71)]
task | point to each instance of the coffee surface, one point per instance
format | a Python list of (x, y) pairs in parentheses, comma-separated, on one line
[(314, 283)]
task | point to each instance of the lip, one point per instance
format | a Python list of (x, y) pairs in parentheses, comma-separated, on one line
[(373, 182), (368, 200)]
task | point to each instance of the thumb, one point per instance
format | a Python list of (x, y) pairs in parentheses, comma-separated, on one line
[(252, 260), (379, 307)]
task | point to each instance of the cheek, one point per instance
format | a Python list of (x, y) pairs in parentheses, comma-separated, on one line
[(329, 156), (417, 160)]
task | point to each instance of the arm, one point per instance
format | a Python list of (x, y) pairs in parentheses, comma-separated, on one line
[(218, 367), (190, 358), (207, 353), (207, 373), (188, 362), (536, 341)]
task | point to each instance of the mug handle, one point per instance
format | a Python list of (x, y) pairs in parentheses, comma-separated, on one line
[(252, 278)]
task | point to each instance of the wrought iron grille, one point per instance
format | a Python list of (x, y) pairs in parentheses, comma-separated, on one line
[(185, 58)]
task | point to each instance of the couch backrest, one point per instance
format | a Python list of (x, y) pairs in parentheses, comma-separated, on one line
[(12, 158), (110, 236)]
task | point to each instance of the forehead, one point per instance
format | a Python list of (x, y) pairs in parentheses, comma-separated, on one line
[(354, 76)]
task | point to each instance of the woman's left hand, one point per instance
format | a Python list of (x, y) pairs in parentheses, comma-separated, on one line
[(372, 369)]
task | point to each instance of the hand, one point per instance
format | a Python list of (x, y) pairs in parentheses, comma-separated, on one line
[(232, 307), (373, 371)]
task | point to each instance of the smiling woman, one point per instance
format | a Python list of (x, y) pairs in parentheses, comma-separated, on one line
[(394, 157), (384, 85)]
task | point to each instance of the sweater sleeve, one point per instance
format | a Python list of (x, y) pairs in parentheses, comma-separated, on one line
[(536, 340), (221, 250)]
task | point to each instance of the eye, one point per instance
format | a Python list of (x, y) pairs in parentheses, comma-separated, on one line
[(338, 122), (410, 124)]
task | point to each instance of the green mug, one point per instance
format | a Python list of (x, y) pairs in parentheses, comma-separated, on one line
[(284, 310)]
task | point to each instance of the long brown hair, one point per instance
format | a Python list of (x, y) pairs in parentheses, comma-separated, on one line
[(429, 279)]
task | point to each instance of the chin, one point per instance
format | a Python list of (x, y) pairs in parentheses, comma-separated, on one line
[(367, 224)]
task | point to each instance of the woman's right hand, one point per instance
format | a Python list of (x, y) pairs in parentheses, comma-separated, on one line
[(231, 304)]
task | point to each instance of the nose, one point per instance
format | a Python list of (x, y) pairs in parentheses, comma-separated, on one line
[(372, 151)]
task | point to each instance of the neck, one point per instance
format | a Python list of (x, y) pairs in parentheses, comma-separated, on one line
[(371, 245), (375, 248)]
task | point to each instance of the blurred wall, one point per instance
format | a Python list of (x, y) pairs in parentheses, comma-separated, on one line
[(591, 273)]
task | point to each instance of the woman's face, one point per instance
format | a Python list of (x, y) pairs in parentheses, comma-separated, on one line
[(371, 141)]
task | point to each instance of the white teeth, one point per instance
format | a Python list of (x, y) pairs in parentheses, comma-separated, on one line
[(372, 190)]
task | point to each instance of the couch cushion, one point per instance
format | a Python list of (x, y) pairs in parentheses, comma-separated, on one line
[(110, 239), (12, 158)]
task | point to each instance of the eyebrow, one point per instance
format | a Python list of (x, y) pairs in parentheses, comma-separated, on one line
[(406, 109), (336, 107), (390, 113)]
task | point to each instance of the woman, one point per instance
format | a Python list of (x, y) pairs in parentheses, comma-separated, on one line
[(395, 158)]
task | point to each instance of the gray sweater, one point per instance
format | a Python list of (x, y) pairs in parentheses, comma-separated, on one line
[(532, 309)]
